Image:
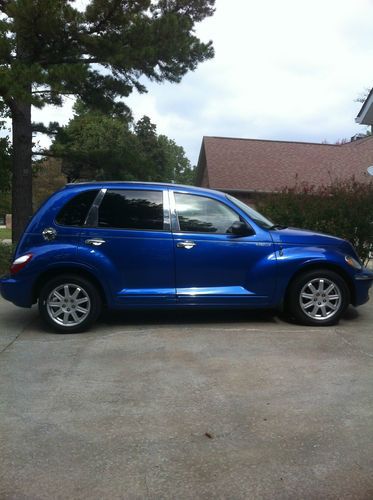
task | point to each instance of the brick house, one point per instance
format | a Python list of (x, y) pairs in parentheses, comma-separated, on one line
[(246, 168)]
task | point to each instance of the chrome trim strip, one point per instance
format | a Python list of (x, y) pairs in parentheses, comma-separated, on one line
[(174, 219), (166, 211)]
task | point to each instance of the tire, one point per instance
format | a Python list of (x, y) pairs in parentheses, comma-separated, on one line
[(318, 298), (69, 303)]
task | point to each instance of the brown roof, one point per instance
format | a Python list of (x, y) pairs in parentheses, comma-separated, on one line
[(262, 165)]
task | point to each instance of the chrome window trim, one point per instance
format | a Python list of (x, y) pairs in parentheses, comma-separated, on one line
[(92, 217)]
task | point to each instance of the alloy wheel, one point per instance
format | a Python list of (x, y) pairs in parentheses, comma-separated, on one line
[(68, 304), (320, 299)]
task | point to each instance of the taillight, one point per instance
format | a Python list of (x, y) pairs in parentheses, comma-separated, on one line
[(20, 263)]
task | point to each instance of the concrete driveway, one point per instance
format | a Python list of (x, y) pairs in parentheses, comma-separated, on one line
[(181, 405)]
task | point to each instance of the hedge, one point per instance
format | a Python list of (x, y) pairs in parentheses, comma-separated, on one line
[(344, 209)]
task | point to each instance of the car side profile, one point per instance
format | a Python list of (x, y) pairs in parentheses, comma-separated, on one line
[(128, 245)]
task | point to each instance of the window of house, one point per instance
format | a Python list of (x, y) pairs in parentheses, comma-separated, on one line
[(131, 209)]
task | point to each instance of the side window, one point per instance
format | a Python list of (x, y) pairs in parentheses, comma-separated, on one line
[(75, 211), (131, 209), (203, 215)]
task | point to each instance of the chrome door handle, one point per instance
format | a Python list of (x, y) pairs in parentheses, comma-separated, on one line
[(186, 244), (96, 242)]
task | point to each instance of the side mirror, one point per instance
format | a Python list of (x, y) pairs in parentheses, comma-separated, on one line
[(240, 228)]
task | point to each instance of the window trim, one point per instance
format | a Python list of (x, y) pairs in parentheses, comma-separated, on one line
[(175, 224), (92, 216), (166, 211)]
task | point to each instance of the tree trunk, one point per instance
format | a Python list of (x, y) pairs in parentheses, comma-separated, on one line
[(22, 171)]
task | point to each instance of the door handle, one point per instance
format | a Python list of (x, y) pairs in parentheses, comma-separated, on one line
[(96, 242), (186, 244)]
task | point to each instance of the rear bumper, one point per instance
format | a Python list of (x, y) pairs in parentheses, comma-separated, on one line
[(17, 291), (362, 283)]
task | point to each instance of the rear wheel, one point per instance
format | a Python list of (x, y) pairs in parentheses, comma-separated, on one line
[(318, 297), (69, 304)]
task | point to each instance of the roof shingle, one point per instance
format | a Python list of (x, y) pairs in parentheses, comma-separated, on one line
[(263, 165)]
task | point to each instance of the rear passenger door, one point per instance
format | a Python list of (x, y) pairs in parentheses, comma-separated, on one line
[(130, 245)]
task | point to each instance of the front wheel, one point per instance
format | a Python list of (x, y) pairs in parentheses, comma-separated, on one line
[(318, 297), (69, 304)]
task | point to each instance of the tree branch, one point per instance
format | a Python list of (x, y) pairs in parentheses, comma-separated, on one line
[(52, 92), (90, 60), (44, 153)]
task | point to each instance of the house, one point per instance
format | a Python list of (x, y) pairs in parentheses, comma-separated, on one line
[(365, 115), (246, 168)]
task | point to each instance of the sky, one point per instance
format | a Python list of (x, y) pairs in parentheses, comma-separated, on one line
[(283, 70)]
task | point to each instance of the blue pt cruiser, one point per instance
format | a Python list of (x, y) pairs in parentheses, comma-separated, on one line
[(146, 245)]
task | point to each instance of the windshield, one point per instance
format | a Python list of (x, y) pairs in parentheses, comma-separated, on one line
[(258, 218)]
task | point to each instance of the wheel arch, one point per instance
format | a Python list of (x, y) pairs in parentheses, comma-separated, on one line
[(313, 266), (63, 270)]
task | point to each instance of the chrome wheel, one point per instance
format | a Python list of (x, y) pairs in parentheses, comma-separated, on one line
[(68, 304), (320, 299)]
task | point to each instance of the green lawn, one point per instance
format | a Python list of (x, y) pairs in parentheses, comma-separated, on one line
[(5, 234)]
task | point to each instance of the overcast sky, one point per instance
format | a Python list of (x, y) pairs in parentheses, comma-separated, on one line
[(288, 70)]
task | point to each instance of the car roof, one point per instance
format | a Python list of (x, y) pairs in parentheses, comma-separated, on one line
[(121, 184)]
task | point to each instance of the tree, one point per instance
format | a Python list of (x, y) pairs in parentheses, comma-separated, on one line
[(47, 179), (94, 145), (178, 166), (5, 165), (98, 146), (5, 173), (49, 48)]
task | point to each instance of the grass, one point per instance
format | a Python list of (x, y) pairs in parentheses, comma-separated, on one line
[(5, 234)]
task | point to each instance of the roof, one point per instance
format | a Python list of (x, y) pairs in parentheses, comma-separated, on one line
[(136, 184), (267, 166), (365, 115)]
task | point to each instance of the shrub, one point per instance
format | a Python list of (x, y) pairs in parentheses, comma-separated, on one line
[(344, 209)]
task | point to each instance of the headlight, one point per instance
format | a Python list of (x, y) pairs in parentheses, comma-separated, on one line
[(352, 262)]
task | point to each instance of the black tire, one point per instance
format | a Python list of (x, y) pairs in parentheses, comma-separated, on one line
[(308, 307), (88, 298)]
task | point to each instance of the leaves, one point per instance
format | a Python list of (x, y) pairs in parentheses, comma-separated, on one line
[(98, 54)]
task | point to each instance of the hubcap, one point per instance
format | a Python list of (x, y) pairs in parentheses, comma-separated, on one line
[(68, 304), (320, 299)]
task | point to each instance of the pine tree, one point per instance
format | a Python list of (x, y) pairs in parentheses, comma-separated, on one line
[(50, 48)]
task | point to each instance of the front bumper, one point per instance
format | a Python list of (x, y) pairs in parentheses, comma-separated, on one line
[(362, 282), (17, 291)]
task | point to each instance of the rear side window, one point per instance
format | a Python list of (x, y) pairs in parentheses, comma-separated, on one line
[(132, 209), (75, 211)]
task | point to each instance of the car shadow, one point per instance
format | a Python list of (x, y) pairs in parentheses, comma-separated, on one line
[(185, 317)]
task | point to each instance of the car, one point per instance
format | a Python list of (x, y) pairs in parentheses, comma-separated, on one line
[(137, 245)]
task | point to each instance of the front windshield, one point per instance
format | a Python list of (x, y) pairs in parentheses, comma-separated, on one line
[(253, 214)]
